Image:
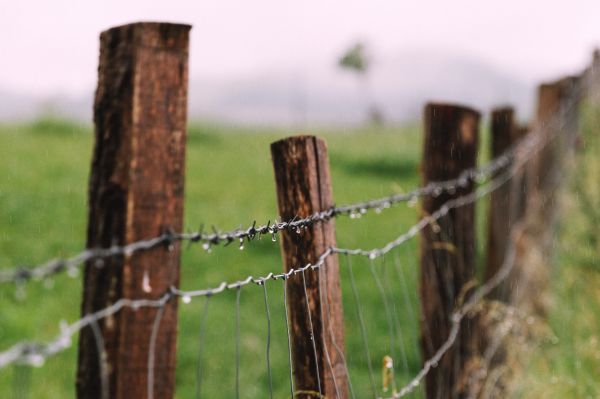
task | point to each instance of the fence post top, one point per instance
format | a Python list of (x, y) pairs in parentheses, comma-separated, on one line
[(450, 107), (298, 139), (503, 109), (158, 34)]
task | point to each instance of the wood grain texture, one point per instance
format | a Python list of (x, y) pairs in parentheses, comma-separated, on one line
[(502, 211), (450, 146), (304, 187), (135, 192)]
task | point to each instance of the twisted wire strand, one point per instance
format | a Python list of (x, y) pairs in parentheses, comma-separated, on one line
[(35, 353), (457, 316), (53, 267)]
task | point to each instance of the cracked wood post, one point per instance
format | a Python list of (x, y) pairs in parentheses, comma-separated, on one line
[(303, 188), (503, 208), (135, 192), (448, 254)]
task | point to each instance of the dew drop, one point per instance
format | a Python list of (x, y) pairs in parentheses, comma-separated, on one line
[(186, 299), (273, 238), (146, 282), (73, 271), (36, 360), (372, 255)]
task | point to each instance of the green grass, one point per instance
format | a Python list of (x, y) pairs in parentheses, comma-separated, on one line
[(43, 185), (44, 169), (568, 365)]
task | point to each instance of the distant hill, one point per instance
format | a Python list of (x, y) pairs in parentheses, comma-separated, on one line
[(399, 85)]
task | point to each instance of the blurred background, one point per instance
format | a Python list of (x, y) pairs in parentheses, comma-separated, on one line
[(356, 73), (270, 62)]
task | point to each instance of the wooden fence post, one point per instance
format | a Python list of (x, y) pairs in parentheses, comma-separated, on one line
[(556, 123), (519, 186), (532, 259), (303, 188), (135, 192), (448, 248), (503, 209)]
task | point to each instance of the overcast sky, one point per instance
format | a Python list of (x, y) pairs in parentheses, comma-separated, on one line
[(51, 47)]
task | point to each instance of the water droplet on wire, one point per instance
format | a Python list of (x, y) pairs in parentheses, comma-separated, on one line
[(73, 271), (146, 282)]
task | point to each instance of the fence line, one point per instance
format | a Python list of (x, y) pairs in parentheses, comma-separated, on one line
[(495, 174), (34, 353), (355, 210)]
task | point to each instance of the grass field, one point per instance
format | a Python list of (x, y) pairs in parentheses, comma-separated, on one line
[(43, 183), (568, 365)]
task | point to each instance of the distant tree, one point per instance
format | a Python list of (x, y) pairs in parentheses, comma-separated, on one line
[(356, 60)]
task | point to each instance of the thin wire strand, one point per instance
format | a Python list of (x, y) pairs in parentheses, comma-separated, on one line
[(152, 350), (289, 338), (361, 322), (391, 299), (388, 315), (312, 335), (268, 314), (237, 342), (324, 339), (339, 351), (201, 346), (408, 305), (102, 365)]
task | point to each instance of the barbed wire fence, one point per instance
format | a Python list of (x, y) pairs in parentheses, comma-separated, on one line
[(307, 285)]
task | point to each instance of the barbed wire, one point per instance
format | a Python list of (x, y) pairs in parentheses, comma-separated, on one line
[(50, 268), (34, 354), (459, 314)]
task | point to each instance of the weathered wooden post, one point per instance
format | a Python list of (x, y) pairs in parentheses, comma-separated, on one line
[(135, 192), (303, 188), (555, 125), (519, 186), (503, 201), (448, 247), (531, 267)]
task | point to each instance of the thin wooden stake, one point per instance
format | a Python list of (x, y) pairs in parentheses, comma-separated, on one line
[(450, 146), (303, 188), (136, 192)]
